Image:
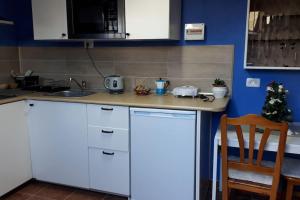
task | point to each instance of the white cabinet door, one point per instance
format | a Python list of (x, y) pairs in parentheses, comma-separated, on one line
[(147, 19), (109, 170), (59, 150), (108, 116), (49, 19), (15, 167)]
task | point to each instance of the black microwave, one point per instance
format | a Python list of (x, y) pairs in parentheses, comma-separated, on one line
[(96, 19)]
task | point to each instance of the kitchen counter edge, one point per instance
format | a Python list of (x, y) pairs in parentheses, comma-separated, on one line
[(130, 99)]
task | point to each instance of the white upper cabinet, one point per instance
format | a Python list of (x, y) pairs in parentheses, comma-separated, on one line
[(144, 19), (153, 19), (50, 19)]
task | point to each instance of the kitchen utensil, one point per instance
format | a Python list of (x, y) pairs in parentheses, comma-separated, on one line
[(141, 90), (114, 84), (28, 73), (27, 81), (161, 86), (185, 91)]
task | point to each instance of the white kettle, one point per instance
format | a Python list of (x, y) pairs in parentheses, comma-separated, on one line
[(114, 84)]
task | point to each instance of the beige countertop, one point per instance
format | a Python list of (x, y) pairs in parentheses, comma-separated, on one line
[(130, 99)]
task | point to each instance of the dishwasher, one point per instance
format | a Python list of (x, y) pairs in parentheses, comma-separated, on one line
[(162, 154)]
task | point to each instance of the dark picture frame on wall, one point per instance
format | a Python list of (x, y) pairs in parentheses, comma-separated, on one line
[(272, 35)]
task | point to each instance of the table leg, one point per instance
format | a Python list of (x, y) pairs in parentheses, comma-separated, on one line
[(215, 167)]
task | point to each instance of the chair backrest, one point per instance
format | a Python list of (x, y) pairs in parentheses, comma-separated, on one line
[(251, 163)]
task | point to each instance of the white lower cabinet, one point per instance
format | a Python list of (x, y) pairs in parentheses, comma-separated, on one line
[(108, 140), (15, 165), (109, 170), (59, 148)]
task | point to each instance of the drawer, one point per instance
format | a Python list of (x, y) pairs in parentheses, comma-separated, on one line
[(108, 116), (108, 138), (109, 171)]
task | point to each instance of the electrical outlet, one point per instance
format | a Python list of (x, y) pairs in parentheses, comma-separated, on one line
[(253, 82), (88, 44)]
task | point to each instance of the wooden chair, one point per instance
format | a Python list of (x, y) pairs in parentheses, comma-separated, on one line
[(291, 172), (250, 174)]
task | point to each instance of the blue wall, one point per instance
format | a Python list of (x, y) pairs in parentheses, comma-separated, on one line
[(7, 32), (226, 21)]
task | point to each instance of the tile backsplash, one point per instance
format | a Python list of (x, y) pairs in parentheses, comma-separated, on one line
[(9, 60), (182, 65)]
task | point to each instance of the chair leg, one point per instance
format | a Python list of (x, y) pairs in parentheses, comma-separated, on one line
[(273, 196), (224, 195), (225, 192), (289, 190)]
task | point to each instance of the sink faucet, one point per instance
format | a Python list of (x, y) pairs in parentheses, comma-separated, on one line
[(81, 86)]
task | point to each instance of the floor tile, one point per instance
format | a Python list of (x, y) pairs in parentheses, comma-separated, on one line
[(85, 195), (112, 197), (38, 198), (55, 192), (33, 187), (17, 196)]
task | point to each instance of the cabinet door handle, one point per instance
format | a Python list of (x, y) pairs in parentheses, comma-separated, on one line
[(31, 105), (109, 154), (63, 35), (107, 109), (107, 132)]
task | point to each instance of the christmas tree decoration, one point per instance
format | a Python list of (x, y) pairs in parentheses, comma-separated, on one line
[(275, 107)]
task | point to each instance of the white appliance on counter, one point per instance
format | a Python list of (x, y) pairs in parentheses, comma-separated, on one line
[(185, 91), (162, 154)]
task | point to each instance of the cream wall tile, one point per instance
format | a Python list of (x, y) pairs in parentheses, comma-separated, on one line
[(201, 70), (86, 67), (44, 53), (141, 69), (202, 54), (7, 66), (103, 53), (9, 60), (141, 54), (186, 65), (9, 53), (45, 66), (5, 79)]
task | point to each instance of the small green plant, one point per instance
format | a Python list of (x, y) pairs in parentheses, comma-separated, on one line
[(219, 83)]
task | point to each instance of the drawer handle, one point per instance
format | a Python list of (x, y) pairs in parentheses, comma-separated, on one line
[(109, 154), (107, 132), (107, 109)]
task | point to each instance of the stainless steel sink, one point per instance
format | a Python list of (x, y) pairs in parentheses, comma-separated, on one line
[(71, 93)]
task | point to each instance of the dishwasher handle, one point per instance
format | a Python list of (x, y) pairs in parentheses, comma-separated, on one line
[(162, 114)]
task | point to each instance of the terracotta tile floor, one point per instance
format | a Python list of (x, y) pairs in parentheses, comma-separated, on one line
[(44, 191)]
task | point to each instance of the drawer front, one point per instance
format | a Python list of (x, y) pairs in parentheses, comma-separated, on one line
[(109, 171), (108, 116), (108, 138)]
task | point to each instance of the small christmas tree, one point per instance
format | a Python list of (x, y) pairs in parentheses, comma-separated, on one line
[(275, 108)]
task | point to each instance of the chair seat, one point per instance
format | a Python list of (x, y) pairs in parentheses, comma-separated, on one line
[(291, 167), (251, 176)]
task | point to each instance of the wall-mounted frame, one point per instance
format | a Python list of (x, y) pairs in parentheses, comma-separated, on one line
[(272, 35)]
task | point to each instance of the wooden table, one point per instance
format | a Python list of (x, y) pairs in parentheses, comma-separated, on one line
[(292, 146)]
